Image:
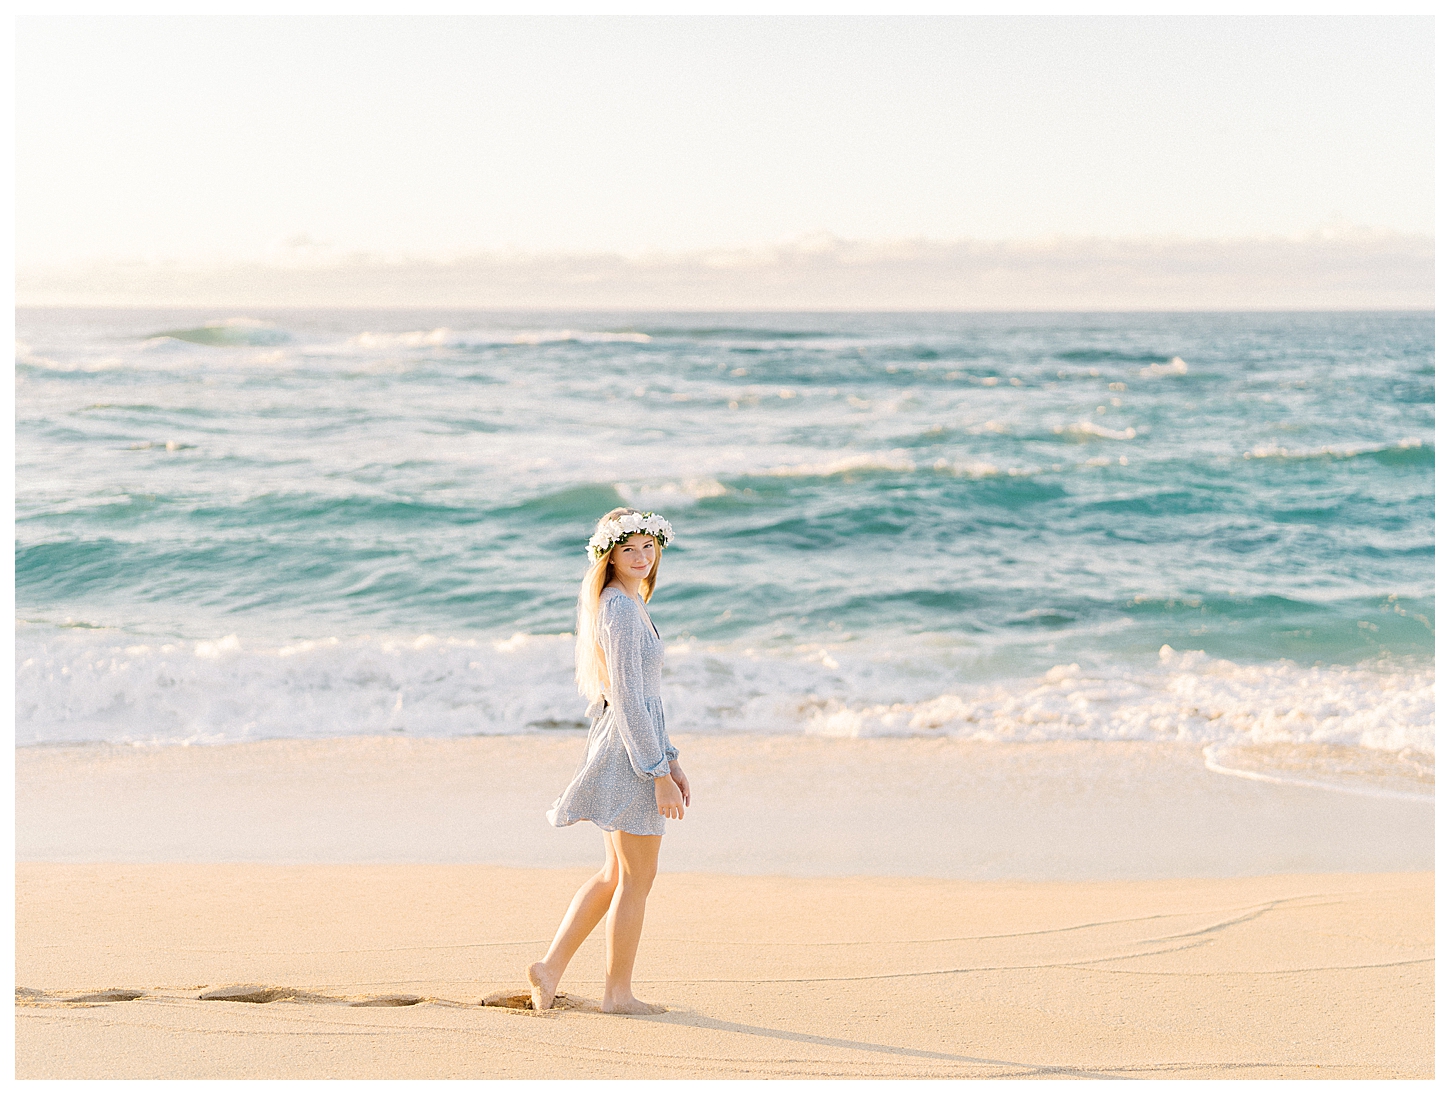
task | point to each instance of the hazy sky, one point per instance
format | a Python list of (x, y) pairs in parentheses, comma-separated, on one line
[(225, 138)]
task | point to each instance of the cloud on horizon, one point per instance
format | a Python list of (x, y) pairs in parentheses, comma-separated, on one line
[(1332, 270)]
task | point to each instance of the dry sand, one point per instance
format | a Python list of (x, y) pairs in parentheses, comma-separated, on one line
[(1287, 976), (1060, 936)]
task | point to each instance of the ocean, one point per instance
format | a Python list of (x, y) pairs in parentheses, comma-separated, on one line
[(1205, 528)]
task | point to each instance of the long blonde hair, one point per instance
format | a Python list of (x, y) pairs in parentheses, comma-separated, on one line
[(590, 672)]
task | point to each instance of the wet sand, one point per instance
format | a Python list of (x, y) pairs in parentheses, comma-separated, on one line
[(762, 805)]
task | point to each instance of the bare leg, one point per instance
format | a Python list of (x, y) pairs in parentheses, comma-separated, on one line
[(589, 906), (638, 857)]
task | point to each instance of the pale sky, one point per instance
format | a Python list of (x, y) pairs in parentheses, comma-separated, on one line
[(207, 139)]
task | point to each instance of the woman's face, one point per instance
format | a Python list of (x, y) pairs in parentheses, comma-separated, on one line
[(635, 556)]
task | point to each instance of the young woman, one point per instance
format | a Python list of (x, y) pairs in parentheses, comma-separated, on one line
[(630, 780)]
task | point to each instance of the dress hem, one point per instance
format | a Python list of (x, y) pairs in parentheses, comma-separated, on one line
[(597, 824)]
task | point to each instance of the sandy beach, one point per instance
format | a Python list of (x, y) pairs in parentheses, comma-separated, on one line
[(1292, 976), (1285, 976), (342, 908)]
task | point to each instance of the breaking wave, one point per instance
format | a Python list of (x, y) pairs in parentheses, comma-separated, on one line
[(88, 684), (228, 332)]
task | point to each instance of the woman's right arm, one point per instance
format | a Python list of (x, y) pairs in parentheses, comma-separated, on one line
[(621, 633)]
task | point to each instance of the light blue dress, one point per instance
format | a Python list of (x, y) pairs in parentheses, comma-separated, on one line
[(627, 747)]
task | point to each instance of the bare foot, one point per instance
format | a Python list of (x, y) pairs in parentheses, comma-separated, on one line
[(542, 984), (630, 1006)]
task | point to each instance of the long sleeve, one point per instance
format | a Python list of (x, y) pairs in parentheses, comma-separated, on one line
[(621, 631)]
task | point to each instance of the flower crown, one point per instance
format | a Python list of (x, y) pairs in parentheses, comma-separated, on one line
[(617, 530)]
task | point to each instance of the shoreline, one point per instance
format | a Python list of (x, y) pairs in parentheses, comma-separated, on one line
[(347, 971)]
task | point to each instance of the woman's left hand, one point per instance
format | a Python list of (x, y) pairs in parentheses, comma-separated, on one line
[(678, 775)]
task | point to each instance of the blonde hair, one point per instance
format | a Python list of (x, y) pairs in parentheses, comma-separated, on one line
[(590, 672)]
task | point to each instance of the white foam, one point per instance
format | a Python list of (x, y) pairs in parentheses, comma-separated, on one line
[(445, 337), (670, 493), (1089, 431), (1176, 367), (25, 355), (1189, 697), (219, 649), (102, 685), (1265, 451), (373, 340), (894, 460)]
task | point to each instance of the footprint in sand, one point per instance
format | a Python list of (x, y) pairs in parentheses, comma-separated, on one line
[(110, 996), (271, 994), (521, 1001), (242, 994)]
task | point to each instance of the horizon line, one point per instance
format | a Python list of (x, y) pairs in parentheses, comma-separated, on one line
[(1362, 270)]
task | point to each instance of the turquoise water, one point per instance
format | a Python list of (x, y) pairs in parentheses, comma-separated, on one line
[(1008, 526)]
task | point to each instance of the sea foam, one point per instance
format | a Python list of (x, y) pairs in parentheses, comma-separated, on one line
[(76, 684), (444, 337), (1188, 697)]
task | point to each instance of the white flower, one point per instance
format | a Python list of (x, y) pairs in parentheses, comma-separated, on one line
[(619, 529)]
